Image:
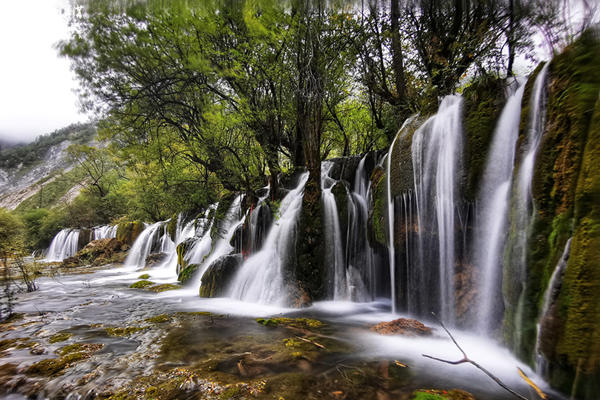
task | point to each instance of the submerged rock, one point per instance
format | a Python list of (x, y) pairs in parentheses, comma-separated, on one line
[(219, 274), (402, 326)]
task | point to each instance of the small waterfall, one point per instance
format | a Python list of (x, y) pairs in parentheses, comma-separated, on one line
[(260, 279), (143, 245), (360, 273), (203, 245), (554, 285), (260, 221), (523, 212), (64, 245), (334, 249), (490, 230), (436, 149), (104, 232), (168, 268), (222, 244), (391, 219)]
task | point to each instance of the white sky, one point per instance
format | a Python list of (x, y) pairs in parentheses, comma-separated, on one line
[(36, 85)]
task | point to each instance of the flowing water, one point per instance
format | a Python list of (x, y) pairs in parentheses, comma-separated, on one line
[(261, 278), (143, 245), (551, 293), (104, 232), (64, 245), (492, 215), (436, 150), (221, 246), (522, 204)]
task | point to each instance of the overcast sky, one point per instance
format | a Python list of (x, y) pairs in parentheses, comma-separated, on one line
[(36, 85)]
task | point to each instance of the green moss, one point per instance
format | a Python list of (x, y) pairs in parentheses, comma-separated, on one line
[(144, 276), (60, 337), (378, 215), (159, 319), (121, 332), (70, 355), (164, 287), (483, 101), (143, 284), (302, 323), (187, 273)]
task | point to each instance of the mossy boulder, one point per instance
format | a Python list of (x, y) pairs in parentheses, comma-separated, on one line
[(340, 191), (401, 167), (128, 231), (182, 250), (98, 252), (218, 226), (219, 274), (187, 273)]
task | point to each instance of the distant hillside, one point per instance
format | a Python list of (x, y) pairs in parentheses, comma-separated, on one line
[(27, 169)]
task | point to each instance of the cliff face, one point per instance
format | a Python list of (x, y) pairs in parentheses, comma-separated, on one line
[(565, 203)]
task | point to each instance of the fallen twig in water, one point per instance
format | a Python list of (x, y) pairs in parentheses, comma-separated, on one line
[(311, 342), (466, 359)]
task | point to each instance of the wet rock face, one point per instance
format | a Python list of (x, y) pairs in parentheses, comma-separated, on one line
[(344, 168), (182, 249), (127, 232), (219, 274), (155, 259), (402, 326)]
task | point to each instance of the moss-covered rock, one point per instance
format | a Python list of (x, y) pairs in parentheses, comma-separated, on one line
[(182, 250), (376, 226), (483, 102), (143, 284), (128, 231), (187, 273), (85, 236), (98, 252), (307, 275), (219, 274), (566, 189)]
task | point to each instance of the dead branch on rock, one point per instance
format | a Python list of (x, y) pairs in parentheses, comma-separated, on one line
[(466, 359)]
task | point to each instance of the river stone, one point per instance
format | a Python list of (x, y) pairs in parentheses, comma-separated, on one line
[(402, 326), (219, 274)]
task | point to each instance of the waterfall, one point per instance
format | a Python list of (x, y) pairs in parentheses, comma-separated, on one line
[(261, 277), (222, 244), (490, 229), (436, 149), (203, 245), (168, 268), (143, 245), (334, 254), (260, 221), (554, 285), (391, 218), (522, 213), (104, 232), (360, 273), (63, 245)]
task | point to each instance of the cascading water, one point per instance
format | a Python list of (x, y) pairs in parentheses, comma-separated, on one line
[(436, 150), (104, 232), (334, 254), (360, 270), (522, 214), (260, 279), (554, 285), (203, 245), (222, 246), (260, 220), (168, 268), (492, 215), (143, 245), (63, 245)]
